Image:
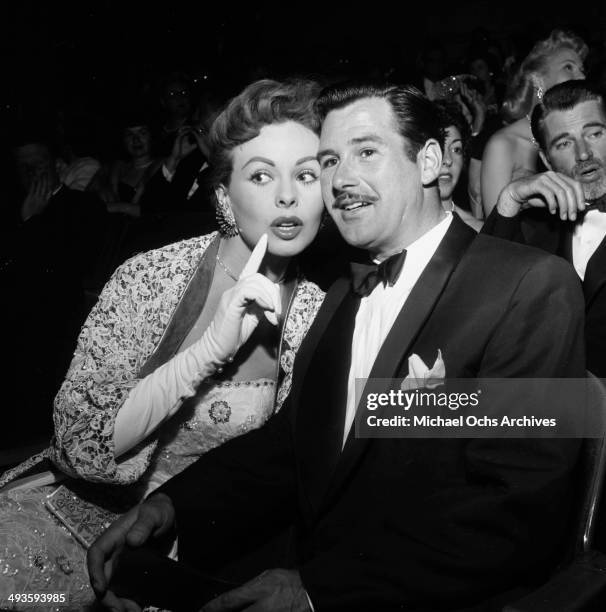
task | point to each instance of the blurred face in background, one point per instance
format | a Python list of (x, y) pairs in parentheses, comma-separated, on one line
[(563, 65), (452, 163), (177, 99), (34, 161), (137, 141)]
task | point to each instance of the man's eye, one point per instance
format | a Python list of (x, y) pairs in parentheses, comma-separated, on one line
[(563, 144), (596, 133), (307, 176), (328, 162), (260, 178), (367, 153)]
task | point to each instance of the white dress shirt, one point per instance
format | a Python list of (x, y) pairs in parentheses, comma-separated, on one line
[(379, 310), (586, 238)]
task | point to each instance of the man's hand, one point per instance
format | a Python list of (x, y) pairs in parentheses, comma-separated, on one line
[(153, 517), (276, 590), (553, 190), (37, 197), (187, 140)]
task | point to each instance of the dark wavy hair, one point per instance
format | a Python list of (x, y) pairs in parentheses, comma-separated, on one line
[(262, 103), (562, 97), (416, 117), (450, 115), (520, 88)]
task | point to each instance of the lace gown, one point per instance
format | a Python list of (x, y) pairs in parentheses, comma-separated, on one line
[(39, 555)]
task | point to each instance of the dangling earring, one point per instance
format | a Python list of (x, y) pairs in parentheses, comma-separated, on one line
[(225, 219), (539, 93)]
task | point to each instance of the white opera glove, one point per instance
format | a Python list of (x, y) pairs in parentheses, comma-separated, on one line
[(160, 394)]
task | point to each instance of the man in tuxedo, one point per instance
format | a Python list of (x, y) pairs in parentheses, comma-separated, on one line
[(384, 524), (562, 210)]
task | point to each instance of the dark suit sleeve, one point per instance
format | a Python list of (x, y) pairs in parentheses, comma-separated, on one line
[(507, 228), (498, 519), (236, 496)]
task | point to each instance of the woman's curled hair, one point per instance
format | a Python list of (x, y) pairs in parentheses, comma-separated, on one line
[(262, 103), (519, 96)]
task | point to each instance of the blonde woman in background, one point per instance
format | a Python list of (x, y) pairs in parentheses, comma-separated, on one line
[(511, 152)]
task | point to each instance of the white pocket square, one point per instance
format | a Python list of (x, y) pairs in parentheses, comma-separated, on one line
[(420, 376)]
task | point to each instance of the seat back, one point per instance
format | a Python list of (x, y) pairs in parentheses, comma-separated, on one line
[(592, 469)]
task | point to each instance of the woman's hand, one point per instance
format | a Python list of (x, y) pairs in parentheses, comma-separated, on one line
[(241, 308)]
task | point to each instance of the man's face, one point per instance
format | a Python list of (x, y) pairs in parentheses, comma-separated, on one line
[(33, 161), (369, 185), (575, 142)]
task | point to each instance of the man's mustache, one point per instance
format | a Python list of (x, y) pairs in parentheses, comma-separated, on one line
[(590, 164), (345, 198)]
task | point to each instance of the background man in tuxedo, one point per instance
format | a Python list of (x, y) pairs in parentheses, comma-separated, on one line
[(570, 128), (382, 524)]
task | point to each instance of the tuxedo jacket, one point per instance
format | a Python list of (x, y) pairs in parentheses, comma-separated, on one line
[(538, 228), (409, 524)]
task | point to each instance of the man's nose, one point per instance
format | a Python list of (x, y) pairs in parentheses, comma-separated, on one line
[(344, 176), (583, 151)]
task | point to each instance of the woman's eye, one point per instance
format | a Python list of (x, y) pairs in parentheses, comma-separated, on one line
[(457, 150), (260, 178), (307, 176)]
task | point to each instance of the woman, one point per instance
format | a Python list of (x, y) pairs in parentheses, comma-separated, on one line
[(511, 152), (457, 136), (122, 184), (157, 378)]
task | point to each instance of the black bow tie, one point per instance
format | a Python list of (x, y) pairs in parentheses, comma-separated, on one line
[(365, 277), (599, 204)]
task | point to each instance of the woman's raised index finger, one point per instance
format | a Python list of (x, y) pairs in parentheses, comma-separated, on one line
[(256, 257)]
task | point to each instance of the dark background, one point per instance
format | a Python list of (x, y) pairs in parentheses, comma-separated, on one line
[(99, 56)]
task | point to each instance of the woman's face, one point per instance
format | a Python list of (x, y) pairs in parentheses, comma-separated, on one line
[(479, 68), (452, 163), (137, 141), (563, 65), (274, 188)]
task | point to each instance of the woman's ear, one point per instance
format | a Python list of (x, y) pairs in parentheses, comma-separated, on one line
[(222, 196), (430, 159)]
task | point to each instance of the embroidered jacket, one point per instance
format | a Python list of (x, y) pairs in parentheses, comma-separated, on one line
[(138, 323)]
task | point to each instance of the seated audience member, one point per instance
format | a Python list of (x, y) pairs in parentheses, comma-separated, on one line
[(562, 210), (512, 152), (483, 65), (177, 106), (122, 184), (456, 149), (157, 378), (50, 250), (385, 523)]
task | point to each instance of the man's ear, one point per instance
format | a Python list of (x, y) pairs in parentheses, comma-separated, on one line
[(430, 160), (545, 160)]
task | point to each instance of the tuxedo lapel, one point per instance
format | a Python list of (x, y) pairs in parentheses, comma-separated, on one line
[(407, 326), (564, 247), (322, 369), (595, 273)]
